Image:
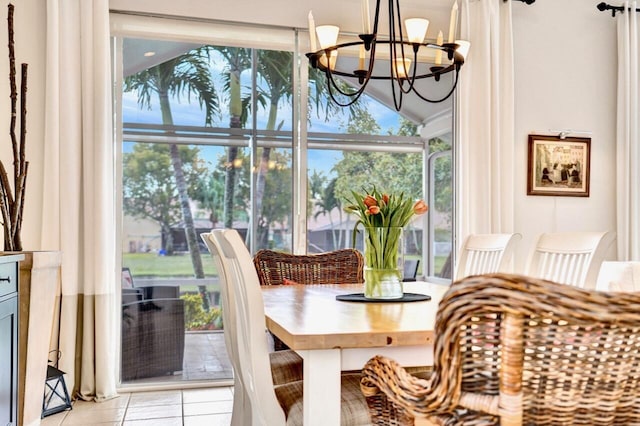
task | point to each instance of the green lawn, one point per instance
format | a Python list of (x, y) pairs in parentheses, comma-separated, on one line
[(152, 265)]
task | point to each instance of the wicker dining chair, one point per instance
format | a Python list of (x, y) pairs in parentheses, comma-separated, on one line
[(343, 266), (515, 350)]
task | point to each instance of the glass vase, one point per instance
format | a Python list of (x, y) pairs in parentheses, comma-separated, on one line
[(384, 261)]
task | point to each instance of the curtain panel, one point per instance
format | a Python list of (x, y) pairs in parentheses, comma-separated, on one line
[(78, 214), (485, 142), (628, 139)]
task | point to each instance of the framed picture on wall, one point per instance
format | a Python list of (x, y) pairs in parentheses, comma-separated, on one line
[(558, 166)]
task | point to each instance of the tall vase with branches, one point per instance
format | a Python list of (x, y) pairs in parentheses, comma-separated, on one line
[(12, 194)]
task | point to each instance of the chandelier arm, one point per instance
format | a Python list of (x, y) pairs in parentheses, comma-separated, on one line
[(444, 98), (399, 65), (377, 15), (353, 97), (332, 83), (397, 99), (394, 8), (411, 80)]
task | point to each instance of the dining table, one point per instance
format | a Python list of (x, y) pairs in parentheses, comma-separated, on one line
[(333, 336)]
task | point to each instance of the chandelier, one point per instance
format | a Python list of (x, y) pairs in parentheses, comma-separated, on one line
[(405, 51)]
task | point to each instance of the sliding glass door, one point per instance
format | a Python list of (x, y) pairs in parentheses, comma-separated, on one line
[(218, 127)]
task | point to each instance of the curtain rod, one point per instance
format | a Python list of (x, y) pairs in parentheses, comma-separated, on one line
[(523, 1), (614, 9)]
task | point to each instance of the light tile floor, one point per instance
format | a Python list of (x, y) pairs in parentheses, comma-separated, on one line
[(189, 407)]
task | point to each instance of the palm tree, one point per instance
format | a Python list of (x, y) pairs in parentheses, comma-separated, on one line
[(326, 204), (275, 68), (185, 75), (238, 60)]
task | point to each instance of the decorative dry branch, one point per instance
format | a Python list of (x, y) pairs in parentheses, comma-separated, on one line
[(12, 198)]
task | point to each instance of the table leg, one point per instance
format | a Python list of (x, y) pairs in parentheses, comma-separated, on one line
[(321, 373)]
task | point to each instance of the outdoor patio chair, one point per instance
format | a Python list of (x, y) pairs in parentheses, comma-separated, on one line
[(256, 400), (153, 330), (516, 350), (410, 270), (572, 258), (486, 253), (152, 337), (148, 291), (343, 266)]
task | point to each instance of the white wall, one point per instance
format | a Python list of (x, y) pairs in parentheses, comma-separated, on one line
[(565, 78)]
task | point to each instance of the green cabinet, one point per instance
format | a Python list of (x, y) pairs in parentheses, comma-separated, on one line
[(8, 340)]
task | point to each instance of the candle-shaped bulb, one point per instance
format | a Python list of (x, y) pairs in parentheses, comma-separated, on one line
[(312, 32), (361, 58), (366, 22), (439, 52), (453, 22)]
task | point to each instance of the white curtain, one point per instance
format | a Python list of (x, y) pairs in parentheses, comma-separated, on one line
[(628, 151), (78, 214), (485, 143)]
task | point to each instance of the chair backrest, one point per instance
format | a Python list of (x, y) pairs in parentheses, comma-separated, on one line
[(572, 258), (127, 278), (410, 269), (226, 300), (242, 298), (343, 266), (486, 253), (619, 276), (537, 352)]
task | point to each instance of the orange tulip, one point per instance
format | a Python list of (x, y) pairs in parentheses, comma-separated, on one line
[(420, 207), (374, 210), (370, 201), (385, 198)]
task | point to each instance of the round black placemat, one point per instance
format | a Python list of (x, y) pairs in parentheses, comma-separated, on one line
[(359, 297)]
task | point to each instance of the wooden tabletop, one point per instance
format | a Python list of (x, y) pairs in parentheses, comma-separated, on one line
[(310, 317)]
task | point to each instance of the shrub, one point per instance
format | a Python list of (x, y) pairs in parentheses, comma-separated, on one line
[(196, 318)]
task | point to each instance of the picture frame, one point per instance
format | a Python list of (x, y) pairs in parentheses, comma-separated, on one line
[(558, 166)]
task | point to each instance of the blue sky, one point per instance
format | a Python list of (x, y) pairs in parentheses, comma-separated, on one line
[(190, 114)]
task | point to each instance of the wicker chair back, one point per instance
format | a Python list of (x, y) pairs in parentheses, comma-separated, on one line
[(335, 267), (515, 350)]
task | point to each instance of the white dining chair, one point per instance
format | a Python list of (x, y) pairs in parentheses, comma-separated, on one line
[(262, 403), (572, 258), (286, 366), (485, 254), (619, 276)]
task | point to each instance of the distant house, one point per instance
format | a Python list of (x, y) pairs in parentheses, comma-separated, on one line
[(334, 230), (201, 225), (140, 235)]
